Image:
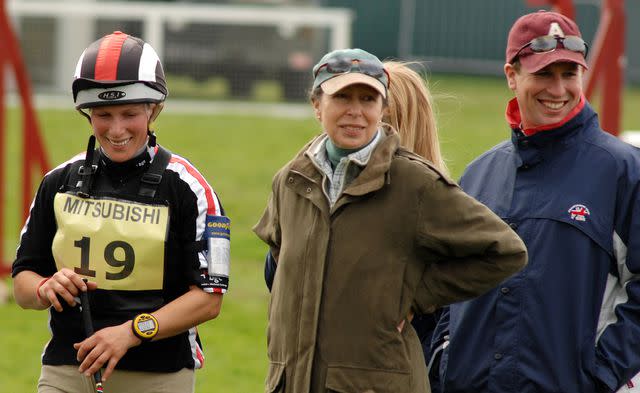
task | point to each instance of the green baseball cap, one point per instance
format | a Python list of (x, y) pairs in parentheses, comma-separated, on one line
[(343, 67)]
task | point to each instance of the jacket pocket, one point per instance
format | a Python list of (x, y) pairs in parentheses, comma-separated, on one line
[(275, 377), (360, 380)]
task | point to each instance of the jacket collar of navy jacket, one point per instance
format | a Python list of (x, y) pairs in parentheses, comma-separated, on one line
[(555, 138), (515, 120)]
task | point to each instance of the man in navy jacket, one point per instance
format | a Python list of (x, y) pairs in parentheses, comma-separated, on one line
[(570, 321)]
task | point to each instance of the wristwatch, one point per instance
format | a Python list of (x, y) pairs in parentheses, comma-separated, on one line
[(144, 326)]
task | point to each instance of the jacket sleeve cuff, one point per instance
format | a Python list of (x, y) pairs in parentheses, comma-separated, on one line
[(606, 377)]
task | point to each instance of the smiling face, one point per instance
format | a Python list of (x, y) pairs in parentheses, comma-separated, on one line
[(121, 130), (548, 95), (350, 116)]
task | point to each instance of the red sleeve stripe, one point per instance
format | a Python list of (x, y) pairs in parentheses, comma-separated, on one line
[(109, 56), (211, 205)]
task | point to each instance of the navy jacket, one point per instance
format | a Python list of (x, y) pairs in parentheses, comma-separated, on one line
[(570, 320)]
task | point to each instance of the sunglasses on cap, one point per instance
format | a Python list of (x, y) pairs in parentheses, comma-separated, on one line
[(343, 65), (549, 43)]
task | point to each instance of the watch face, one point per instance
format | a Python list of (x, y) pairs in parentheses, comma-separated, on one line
[(145, 326)]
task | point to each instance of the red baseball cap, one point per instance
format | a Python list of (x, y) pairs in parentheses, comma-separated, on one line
[(538, 24)]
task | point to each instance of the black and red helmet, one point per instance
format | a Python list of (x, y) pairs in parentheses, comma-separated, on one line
[(118, 69)]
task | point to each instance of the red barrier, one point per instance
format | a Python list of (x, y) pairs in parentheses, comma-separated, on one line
[(33, 153), (4, 268), (564, 7), (607, 64)]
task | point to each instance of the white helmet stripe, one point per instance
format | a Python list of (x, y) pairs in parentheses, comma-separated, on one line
[(76, 74), (148, 63)]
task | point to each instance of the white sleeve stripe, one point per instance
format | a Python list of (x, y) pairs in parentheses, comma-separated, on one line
[(620, 252), (196, 351), (198, 190), (77, 157), (213, 204), (207, 199), (26, 224), (615, 291)]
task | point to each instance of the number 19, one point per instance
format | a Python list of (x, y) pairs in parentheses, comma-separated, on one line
[(109, 256)]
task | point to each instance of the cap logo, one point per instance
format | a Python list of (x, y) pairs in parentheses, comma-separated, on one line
[(111, 95), (555, 30)]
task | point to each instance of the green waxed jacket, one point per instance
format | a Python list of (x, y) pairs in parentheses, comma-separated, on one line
[(401, 237)]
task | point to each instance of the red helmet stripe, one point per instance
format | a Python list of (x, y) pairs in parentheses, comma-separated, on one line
[(109, 56)]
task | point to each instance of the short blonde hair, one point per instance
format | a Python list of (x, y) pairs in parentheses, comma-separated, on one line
[(411, 112)]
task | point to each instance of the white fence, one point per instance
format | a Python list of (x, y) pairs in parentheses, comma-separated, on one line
[(241, 44)]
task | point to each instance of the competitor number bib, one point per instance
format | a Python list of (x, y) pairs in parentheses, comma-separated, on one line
[(117, 243)]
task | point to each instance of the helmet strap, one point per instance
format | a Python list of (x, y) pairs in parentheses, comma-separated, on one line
[(157, 108), (87, 170), (152, 138), (85, 114), (156, 111)]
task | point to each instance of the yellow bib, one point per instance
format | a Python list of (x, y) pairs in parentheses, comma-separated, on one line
[(118, 244)]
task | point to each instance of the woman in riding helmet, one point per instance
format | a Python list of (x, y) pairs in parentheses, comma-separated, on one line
[(130, 225)]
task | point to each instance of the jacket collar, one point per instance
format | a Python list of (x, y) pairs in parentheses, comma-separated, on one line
[(372, 177), (533, 149), (375, 174), (515, 119), (317, 152), (129, 168), (583, 120)]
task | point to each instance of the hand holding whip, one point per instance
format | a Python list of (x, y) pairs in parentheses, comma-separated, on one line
[(88, 329)]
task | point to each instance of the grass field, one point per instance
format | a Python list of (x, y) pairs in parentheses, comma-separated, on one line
[(238, 155)]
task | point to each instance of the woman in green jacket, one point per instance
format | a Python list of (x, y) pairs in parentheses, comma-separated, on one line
[(366, 233)]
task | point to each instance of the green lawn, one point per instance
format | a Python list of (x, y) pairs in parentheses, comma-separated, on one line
[(238, 155)]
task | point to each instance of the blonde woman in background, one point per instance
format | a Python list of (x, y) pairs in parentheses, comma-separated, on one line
[(411, 112)]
